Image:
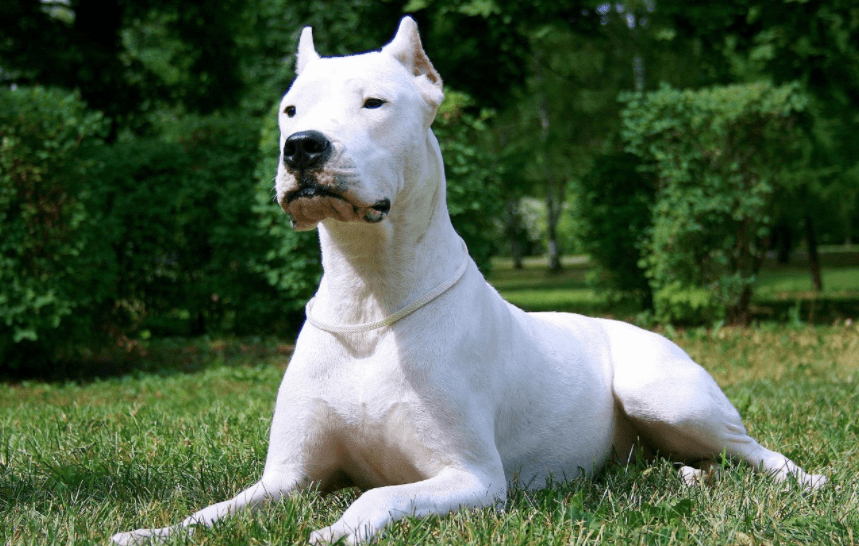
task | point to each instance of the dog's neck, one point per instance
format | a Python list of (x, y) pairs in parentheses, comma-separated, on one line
[(373, 270)]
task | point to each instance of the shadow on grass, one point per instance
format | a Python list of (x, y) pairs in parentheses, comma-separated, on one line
[(164, 357), (805, 309)]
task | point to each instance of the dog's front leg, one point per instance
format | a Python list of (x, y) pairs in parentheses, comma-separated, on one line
[(270, 487), (448, 491)]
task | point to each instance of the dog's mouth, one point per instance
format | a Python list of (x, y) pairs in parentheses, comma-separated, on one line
[(313, 203), (381, 207), (309, 192)]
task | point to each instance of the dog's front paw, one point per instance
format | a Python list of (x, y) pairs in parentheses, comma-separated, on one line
[(707, 473), (323, 536), (140, 536), (813, 482), (338, 531)]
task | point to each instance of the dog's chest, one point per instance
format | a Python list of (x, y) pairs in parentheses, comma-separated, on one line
[(384, 445), (370, 425)]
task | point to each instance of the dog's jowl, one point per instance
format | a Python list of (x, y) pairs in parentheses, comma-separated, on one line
[(412, 378)]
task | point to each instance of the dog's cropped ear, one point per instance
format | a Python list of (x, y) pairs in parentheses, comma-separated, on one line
[(406, 47), (306, 50)]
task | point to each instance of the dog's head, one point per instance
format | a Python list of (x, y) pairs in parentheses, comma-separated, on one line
[(350, 128)]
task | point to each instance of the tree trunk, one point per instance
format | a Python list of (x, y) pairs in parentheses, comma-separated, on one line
[(554, 202), (741, 313), (554, 186), (515, 231), (783, 243), (813, 256), (516, 252)]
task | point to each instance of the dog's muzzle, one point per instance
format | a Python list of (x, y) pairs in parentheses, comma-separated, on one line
[(318, 195)]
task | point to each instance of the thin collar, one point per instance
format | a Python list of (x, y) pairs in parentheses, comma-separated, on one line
[(390, 319)]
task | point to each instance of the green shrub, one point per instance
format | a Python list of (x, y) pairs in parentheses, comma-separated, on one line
[(55, 267), (677, 302), (613, 212), (184, 231), (473, 186), (718, 155)]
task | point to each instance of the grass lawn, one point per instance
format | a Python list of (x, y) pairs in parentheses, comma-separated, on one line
[(82, 460)]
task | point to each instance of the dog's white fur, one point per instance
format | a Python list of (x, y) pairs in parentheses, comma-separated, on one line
[(449, 406)]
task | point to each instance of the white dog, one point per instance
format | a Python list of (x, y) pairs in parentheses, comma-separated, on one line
[(412, 378)]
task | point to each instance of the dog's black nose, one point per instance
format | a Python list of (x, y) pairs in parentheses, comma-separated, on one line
[(306, 150)]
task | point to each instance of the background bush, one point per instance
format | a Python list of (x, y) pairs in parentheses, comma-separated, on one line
[(55, 266), (718, 155), (184, 231)]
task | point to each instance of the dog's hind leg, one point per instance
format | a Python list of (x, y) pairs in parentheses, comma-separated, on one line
[(678, 410), (269, 488)]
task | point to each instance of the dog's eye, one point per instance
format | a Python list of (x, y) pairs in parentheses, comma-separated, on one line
[(373, 103), (290, 111)]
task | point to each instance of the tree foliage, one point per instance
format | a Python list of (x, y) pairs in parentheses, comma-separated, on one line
[(125, 58), (565, 115)]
